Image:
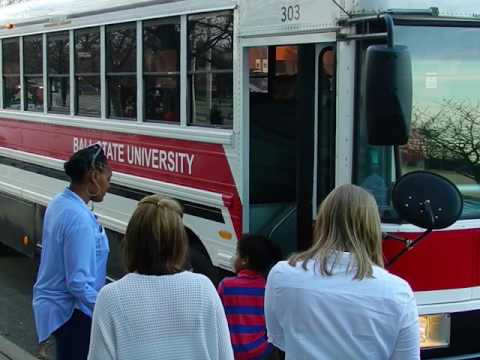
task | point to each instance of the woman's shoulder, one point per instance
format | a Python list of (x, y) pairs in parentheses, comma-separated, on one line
[(398, 288), (179, 280), (283, 272), (282, 266), (65, 210), (285, 267)]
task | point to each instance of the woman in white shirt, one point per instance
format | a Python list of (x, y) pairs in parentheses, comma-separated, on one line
[(335, 300), (159, 311)]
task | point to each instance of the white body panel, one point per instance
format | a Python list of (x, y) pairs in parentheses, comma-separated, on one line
[(270, 17), (446, 7), (115, 211)]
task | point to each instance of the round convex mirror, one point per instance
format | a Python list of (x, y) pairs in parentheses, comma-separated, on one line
[(427, 200)]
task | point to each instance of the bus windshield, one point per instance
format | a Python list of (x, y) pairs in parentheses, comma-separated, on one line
[(445, 132)]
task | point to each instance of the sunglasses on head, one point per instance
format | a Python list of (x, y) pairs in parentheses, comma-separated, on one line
[(97, 150)]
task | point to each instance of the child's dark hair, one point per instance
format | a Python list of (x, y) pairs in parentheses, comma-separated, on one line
[(82, 161), (260, 252)]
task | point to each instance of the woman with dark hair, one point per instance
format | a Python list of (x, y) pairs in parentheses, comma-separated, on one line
[(74, 256), (158, 310)]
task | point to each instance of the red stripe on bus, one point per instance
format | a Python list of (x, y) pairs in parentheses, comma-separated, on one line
[(443, 260), (192, 164)]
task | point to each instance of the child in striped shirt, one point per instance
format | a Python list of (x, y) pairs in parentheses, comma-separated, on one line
[(243, 297)]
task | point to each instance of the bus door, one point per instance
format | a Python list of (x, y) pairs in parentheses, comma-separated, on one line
[(292, 117)]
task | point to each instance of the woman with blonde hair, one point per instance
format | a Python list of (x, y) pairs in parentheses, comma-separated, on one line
[(335, 300), (158, 310)]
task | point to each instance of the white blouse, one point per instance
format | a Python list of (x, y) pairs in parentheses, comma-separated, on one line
[(311, 316), (166, 317)]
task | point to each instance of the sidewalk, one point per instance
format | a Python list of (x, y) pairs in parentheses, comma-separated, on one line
[(10, 351)]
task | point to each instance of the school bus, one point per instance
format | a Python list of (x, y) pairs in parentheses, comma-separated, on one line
[(248, 112)]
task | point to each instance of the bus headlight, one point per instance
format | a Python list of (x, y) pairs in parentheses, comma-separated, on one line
[(434, 331)]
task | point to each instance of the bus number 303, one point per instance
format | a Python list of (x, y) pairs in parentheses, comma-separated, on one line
[(290, 13)]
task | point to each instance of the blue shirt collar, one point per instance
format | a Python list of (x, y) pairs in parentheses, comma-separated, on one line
[(70, 194)]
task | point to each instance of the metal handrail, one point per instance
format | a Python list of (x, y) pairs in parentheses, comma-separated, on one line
[(282, 220)]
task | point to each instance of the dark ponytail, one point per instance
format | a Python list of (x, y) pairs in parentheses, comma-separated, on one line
[(84, 160)]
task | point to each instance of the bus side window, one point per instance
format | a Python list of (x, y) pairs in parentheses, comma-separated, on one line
[(58, 62), (121, 71), (11, 73), (210, 69), (161, 66)]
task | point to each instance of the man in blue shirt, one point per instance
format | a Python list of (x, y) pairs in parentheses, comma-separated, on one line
[(74, 257)]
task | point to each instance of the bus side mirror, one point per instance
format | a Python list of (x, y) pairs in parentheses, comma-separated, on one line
[(388, 94), (427, 200)]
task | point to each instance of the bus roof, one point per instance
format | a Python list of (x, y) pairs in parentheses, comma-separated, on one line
[(46, 10), (464, 8), (38, 10)]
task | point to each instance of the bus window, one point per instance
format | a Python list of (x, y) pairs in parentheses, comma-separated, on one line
[(326, 123), (87, 72), (210, 69), (58, 62), (161, 70), (33, 72), (11, 73), (121, 71), (445, 119), (273, 101), (273, 143)]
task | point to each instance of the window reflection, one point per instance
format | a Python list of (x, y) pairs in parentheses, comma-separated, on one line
[(11, 73), (210, 69), (446, 110), (88, 95), (58, 62), (121, 71), (162, 70), (87, 71), (11, 92), (34, 93), (162, 98), (11, 56), (445, 135), (33, 72), (122, 95)]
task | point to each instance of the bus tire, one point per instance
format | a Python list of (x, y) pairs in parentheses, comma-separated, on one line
[(202, 264), (198, 259)]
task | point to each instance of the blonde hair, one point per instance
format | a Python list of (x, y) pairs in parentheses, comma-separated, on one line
[(348, 220), (155, 240)]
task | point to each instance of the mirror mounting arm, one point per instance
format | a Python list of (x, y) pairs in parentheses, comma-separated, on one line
[(398, 162), (390, 25), (388, 34), (387, 236), (409, 245)]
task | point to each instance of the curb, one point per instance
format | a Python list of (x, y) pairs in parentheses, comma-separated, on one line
[(10, 351)]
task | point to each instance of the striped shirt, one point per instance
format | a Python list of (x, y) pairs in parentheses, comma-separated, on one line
[(243, 297)]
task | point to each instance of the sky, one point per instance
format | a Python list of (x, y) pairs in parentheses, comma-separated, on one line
[(445, 62)]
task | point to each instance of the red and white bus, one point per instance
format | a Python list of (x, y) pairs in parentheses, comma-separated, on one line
[(248, 112)]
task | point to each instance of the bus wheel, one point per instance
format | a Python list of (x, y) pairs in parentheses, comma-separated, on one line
[(199, 261), (202, 264)]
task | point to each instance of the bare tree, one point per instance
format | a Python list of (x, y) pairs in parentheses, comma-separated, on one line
[(5, 3), (452, 134)]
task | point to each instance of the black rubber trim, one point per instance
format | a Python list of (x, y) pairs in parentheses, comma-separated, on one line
[(199, 210)]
